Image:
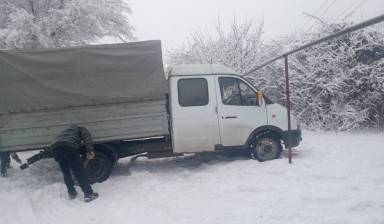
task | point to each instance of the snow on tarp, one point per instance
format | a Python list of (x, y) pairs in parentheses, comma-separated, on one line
[(89, 75)]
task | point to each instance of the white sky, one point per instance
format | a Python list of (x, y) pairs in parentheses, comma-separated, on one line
[(172, 21)]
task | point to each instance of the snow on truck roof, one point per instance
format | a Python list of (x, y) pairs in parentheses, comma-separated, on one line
[(199, 69)]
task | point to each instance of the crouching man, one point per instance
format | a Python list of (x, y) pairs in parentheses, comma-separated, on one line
[(65, 149)]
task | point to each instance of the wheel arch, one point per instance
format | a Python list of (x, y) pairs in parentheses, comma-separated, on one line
[(273, 129)]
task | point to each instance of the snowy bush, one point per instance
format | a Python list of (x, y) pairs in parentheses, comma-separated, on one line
[(338, 84)]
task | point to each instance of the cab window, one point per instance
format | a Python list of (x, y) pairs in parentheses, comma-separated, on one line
[(236, 92), (193, 92)]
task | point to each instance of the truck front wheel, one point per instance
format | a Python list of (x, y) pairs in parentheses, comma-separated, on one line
[(265, 146)]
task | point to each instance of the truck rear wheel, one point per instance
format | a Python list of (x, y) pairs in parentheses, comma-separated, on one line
[(99, 168), (266, 146)]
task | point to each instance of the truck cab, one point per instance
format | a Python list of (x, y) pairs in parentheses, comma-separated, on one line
[(213, 108)]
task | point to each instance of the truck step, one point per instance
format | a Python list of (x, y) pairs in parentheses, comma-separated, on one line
[(162, 154)]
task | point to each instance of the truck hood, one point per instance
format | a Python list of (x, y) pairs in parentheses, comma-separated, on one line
[(277, 116)]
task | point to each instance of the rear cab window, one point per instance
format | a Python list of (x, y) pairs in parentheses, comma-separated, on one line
[(193, 92)]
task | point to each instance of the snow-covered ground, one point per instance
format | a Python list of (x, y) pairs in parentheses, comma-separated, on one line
[(333, 179)]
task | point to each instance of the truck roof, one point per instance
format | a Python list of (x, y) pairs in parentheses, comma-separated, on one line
[(201, 69)]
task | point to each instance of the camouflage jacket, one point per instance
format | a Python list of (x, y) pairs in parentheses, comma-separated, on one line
[(75, 137)]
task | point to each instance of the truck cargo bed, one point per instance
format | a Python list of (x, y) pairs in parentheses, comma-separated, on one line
[(35, 130), (117, 91)]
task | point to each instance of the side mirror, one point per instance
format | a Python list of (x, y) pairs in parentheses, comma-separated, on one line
[(260, 98)]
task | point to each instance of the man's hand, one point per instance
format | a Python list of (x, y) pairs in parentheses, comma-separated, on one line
[(90, 156)]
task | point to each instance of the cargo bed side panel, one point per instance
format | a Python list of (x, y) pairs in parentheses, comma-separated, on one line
[(34, 130)]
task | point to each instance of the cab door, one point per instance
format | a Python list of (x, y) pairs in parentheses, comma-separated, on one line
[(239, 112), (193, 113)]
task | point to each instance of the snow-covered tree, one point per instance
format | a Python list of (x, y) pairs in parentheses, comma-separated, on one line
[(54, 23), (336, 85), (238, 48)]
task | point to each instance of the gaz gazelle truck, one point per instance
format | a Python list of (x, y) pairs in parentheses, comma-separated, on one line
[(120, 93)]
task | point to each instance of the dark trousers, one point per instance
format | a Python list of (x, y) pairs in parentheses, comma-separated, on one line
[(69, 159), (5, 159)]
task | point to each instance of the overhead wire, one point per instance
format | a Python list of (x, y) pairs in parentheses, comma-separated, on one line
[(322, 14), (328, 8), (354, 10), (309, 20), (348, 8)]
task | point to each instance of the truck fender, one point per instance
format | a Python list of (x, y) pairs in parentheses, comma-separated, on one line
[(277, 131)]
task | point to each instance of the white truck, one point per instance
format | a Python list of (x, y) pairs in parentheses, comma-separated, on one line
[(120, 93)]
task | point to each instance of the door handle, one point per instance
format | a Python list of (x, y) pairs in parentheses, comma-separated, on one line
[(230, 117)]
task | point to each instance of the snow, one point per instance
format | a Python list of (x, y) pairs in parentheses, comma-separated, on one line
[(333, 179)]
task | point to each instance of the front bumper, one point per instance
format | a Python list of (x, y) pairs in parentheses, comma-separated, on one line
[(295, 138)]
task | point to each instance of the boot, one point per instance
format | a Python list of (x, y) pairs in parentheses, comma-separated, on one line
[(72, 194), (91, 197)]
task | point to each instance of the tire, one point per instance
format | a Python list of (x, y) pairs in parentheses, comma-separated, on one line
[(99, 168), (266, 146)]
